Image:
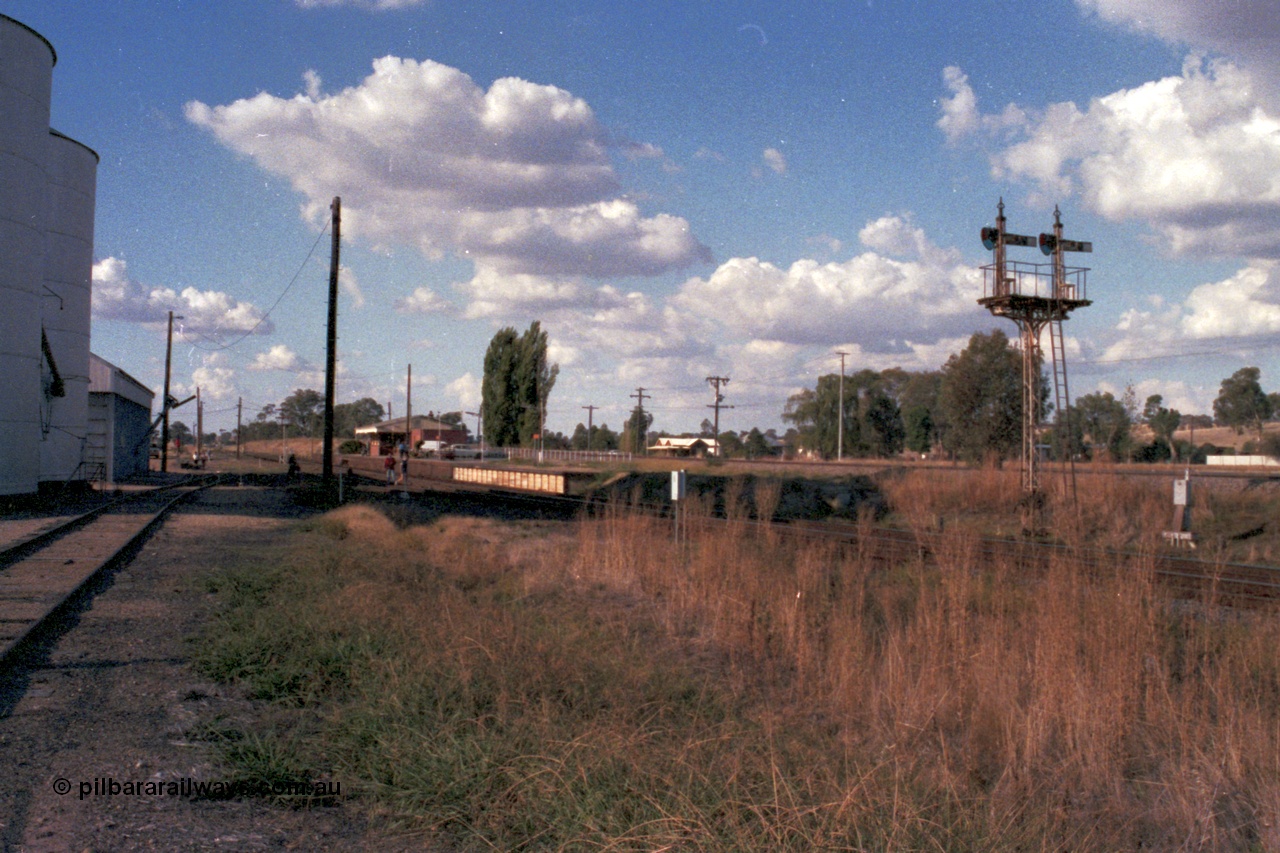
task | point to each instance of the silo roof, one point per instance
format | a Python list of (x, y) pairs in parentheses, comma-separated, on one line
[(62, 135), (34, 33)]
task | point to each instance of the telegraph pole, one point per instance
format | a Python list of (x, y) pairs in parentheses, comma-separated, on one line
[(331, 353), (199, 425), (591, 410), (239, 409), (166, 403), (840, 423), (717, 381), (639, 422), (408, 408)]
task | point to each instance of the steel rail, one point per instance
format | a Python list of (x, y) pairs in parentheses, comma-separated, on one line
[(15, 550), (23, 608)]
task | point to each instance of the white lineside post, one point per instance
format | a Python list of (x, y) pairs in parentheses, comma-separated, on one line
[(1181, 534), (679, 482)]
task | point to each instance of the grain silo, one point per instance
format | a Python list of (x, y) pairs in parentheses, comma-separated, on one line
[(71, 173), (47, 188), (26, 81)]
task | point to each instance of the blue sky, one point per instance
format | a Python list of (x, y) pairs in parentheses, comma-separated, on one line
[(675, 190)]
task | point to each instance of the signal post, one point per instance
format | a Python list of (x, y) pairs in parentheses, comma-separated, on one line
[(1035, 297)]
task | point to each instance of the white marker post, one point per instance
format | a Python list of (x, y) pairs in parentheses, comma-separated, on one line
[(1181, 534), (678, 485)]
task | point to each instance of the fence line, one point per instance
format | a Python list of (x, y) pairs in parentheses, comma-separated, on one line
[(567, 455)]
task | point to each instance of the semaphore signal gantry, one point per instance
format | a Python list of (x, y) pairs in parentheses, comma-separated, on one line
[(1036, 296)]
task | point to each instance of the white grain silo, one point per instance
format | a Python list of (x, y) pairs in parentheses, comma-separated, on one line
[(71, 171), (26, 80)]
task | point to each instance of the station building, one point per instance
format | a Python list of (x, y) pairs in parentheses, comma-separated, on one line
[(386, 436)]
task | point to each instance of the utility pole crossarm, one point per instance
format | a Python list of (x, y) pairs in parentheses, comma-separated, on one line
[(640, 425), (716, 382), (591, 410)]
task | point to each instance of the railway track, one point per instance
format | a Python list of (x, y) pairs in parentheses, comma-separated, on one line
[(42, 574), (1237, 584)]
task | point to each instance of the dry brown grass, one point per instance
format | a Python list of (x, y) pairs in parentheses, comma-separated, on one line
[(1088, 714), (600, 685)]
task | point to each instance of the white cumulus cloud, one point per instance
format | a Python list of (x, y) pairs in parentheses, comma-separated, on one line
[(1197, 156), (424, 300), (279, 357), (465, 390), (1241, 309), (516, 177), (924, 292), (118, 297), (1248, 30)]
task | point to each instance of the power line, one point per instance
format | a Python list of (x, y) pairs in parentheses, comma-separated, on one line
[(263, 318)]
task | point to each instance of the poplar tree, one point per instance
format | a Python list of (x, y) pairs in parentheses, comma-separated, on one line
[(517, 382)]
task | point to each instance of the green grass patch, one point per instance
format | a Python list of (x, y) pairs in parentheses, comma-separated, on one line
[(532, 687), (451, 702)]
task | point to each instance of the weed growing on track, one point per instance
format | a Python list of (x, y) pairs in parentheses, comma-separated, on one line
[(596, 686)]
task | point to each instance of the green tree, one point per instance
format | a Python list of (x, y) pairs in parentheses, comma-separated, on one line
[(263, 426), (304, 409), (181, 433), (920, 431), (980, 397), (873, 423), (499, 406), (816, 414), (731, 445), (534, 379), (1163, 422), (517, 383), (1105, 421), (348, 416), (755, 446), (635, 432), (1241, 403), (602, 438), (882, 431)]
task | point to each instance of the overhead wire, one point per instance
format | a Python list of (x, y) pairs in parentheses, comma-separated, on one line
[(263, 318)]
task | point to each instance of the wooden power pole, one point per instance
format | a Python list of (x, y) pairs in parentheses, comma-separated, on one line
[(639, 420), (716, 382), (331, 352), (591, 410)]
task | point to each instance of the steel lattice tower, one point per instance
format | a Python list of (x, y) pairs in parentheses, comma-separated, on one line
[(1036, 296)]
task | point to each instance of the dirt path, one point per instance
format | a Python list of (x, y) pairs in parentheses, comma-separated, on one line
[(111, 701)]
